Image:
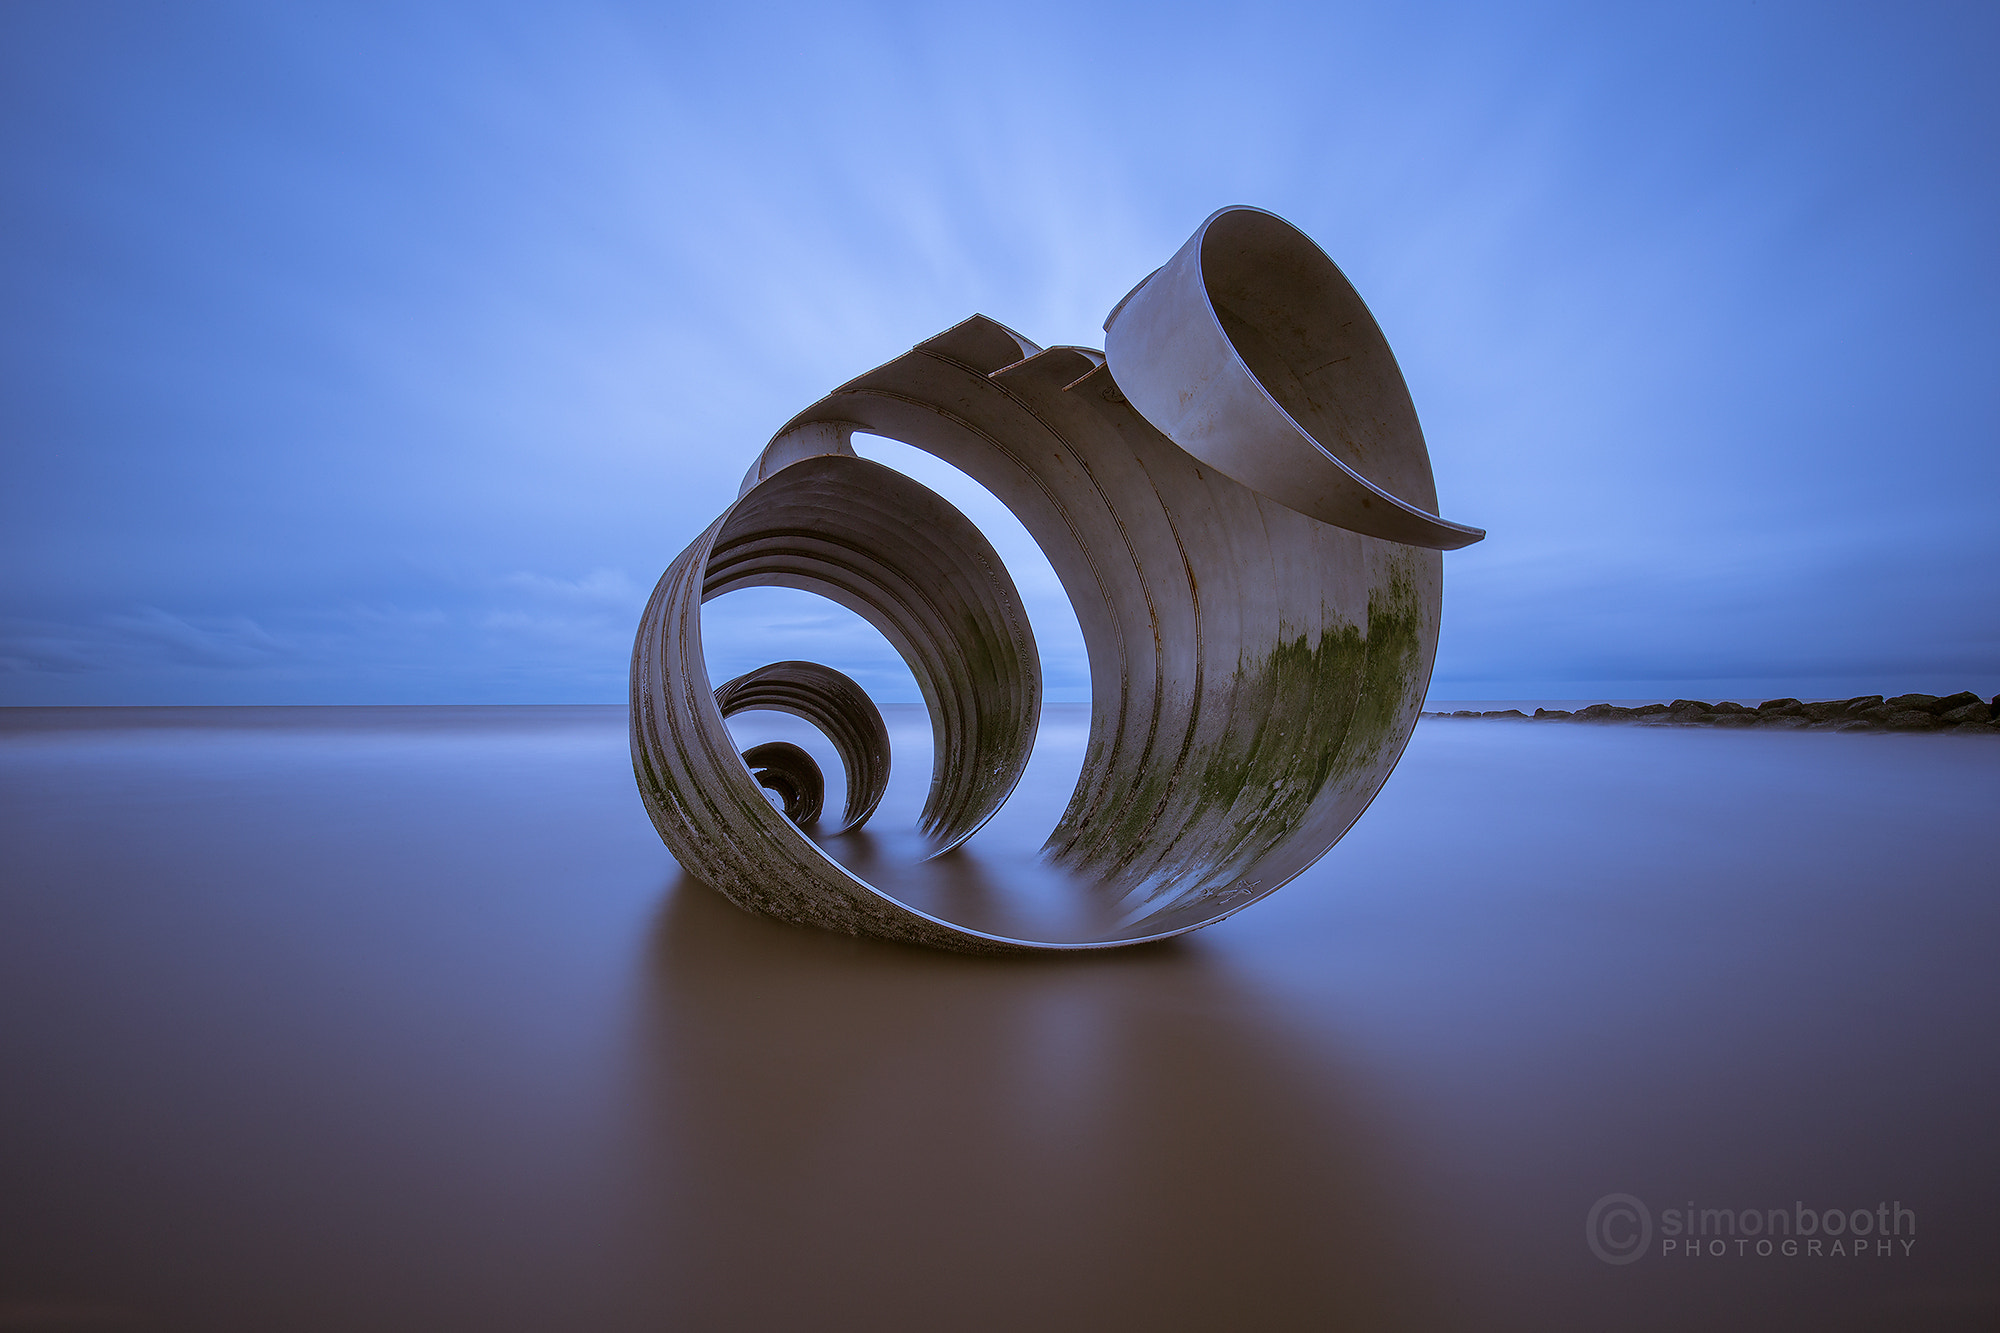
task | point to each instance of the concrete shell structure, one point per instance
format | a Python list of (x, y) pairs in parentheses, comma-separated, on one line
[(1238, 501)]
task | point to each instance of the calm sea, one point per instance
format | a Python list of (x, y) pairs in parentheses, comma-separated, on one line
[(403, 1019)]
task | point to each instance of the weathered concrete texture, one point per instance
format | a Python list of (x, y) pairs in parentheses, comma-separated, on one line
[(1964, 713), (1256, 671)]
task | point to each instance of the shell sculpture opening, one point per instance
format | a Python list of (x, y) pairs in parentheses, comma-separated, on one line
[(1237, 499)]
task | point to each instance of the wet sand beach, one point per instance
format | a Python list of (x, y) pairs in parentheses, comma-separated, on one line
[(404, 1019)]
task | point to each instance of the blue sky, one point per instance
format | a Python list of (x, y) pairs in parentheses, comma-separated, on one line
[(387, 353)]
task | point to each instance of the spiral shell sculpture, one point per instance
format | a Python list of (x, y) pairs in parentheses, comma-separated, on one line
[(1237, 499)]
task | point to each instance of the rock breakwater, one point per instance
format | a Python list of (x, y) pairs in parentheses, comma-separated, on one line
[(1963, 713)]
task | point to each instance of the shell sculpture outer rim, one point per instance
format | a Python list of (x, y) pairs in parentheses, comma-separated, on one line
[(1250, 543)]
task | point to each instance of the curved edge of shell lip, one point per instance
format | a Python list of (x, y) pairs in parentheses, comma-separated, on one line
[(797, 441), (1140, 285), (1402, 521), (1408, 524), (987, 941)]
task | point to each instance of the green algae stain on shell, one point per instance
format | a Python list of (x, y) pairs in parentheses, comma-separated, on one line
[(1309, 714), (1402, 636), (1332, 711)]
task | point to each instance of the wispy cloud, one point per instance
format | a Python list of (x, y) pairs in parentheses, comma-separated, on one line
[(136, 640), (611, 589)]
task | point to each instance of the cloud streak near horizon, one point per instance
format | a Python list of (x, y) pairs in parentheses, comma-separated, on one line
[(388, 353)]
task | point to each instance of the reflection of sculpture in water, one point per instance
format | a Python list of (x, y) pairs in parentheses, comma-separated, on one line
[(1237, 498), (845, 1134)]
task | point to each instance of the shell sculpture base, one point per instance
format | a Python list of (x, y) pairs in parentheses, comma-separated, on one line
[(1238, 501)]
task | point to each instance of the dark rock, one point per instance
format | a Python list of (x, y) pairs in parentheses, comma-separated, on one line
[(1869, 712), (1910, 719)]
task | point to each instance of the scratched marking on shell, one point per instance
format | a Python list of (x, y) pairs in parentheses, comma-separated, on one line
[(1241, 510)]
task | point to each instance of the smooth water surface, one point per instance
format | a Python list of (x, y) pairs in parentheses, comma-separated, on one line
[(403, 1019)]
